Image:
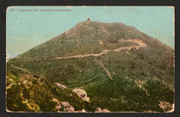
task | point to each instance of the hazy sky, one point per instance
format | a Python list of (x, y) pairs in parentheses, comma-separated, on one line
[(28, 27)]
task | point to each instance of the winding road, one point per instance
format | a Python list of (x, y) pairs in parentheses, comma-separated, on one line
[(104, 52)]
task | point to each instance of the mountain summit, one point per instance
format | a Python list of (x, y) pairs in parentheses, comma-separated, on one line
[(118, 67)]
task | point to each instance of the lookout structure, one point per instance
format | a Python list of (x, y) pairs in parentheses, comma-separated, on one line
[(88, 20)]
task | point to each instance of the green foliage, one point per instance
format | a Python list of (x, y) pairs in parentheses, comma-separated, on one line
[(149, 65), (14, 100), (22, 97), (159, 91)]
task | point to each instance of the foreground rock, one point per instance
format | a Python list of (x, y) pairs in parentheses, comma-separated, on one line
[(102, 110), (166, 106), (82, 94), (65, 106)]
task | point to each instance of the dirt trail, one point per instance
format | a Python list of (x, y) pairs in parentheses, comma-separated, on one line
[(104, 30), (137, 41), (105, 69), (85, 55), (103, 52)]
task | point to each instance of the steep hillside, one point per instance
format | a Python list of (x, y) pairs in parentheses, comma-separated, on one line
[(120, 68)]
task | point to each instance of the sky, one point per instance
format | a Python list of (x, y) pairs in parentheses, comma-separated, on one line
[(27, 27)]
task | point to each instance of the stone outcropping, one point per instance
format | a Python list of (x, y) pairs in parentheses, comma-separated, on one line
[(102, 110), (166, 106), (82, 94), (63, 106)]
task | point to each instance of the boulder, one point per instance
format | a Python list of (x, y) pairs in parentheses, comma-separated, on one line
[(102, 110), (82, 94)]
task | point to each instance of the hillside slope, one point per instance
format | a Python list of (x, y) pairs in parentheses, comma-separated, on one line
[(120, 68)]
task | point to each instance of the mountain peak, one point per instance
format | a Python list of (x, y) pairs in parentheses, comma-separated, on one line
[(111, 62)]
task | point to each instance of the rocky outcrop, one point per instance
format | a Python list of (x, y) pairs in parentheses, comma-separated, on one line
[(102, 110), (60, 85), (83, 110), (166, 106), (63, 106), (82, 94)]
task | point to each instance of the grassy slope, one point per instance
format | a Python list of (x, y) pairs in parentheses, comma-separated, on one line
[(149, 65), (38, 93)]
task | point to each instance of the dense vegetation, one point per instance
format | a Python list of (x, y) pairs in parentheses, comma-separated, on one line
[(31, 93), (141, 79)]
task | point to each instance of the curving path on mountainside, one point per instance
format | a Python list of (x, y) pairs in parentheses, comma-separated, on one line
[(105, 51)]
